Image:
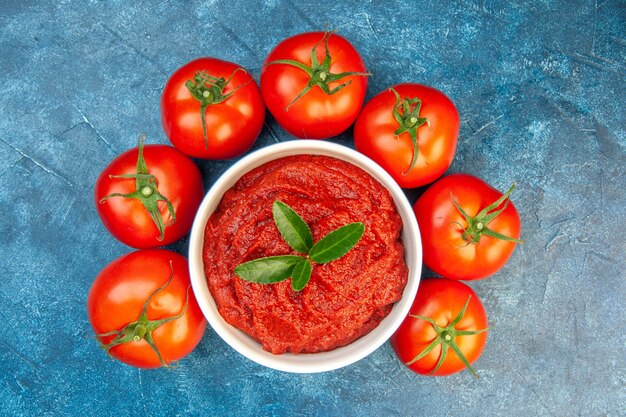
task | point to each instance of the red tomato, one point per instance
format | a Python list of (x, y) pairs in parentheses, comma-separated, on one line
[(141, 299), (411, 130), (430, 344), (212, 109), (135, 208), (314, 98), (470, 246)]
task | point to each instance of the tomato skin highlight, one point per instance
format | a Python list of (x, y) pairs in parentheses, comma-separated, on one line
[(445, 251), (119, 292), (315, 115), (374, 135), (440, 299), (232, 126), (178, 178)]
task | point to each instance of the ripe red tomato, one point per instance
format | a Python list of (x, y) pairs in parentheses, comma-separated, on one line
[(445, 331), (411, 130), (148, 196), (467, 246), (314, 84), (212, 109), (141, 306)]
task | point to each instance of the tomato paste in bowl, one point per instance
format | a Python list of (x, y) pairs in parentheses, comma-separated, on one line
[(350, 306), (345, 299)]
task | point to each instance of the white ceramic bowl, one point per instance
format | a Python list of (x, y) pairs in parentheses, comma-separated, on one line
[(309, 362)]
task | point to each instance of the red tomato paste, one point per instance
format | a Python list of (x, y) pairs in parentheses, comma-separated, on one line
[(345, 299)]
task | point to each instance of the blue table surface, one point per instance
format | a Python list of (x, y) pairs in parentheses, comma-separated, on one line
[(539, 86)]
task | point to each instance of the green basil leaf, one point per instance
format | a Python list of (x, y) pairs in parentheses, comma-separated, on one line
[(337, 243), (301, 274), (267, 270), (291, 226)]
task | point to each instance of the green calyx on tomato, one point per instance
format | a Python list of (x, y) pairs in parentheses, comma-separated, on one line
[(142, 328), (477, 225), (446, 337), (146, 191), (409, 121), (209, 90), (319, 73)]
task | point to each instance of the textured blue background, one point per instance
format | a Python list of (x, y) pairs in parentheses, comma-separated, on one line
[(540, 89)]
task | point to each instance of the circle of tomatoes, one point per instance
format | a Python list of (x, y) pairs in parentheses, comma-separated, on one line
[(143, 311), (212, 109), (469, 229), (446, 318), (149, 198), (314, 84), (411, 130)]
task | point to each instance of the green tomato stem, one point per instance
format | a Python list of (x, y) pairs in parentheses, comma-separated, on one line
[(406, 112), (477, 225), (142, 328), (446, 338), (319, 73), (208, 91), (146, 191)]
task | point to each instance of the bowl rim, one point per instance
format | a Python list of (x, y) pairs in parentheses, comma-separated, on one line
[(309, 362)]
